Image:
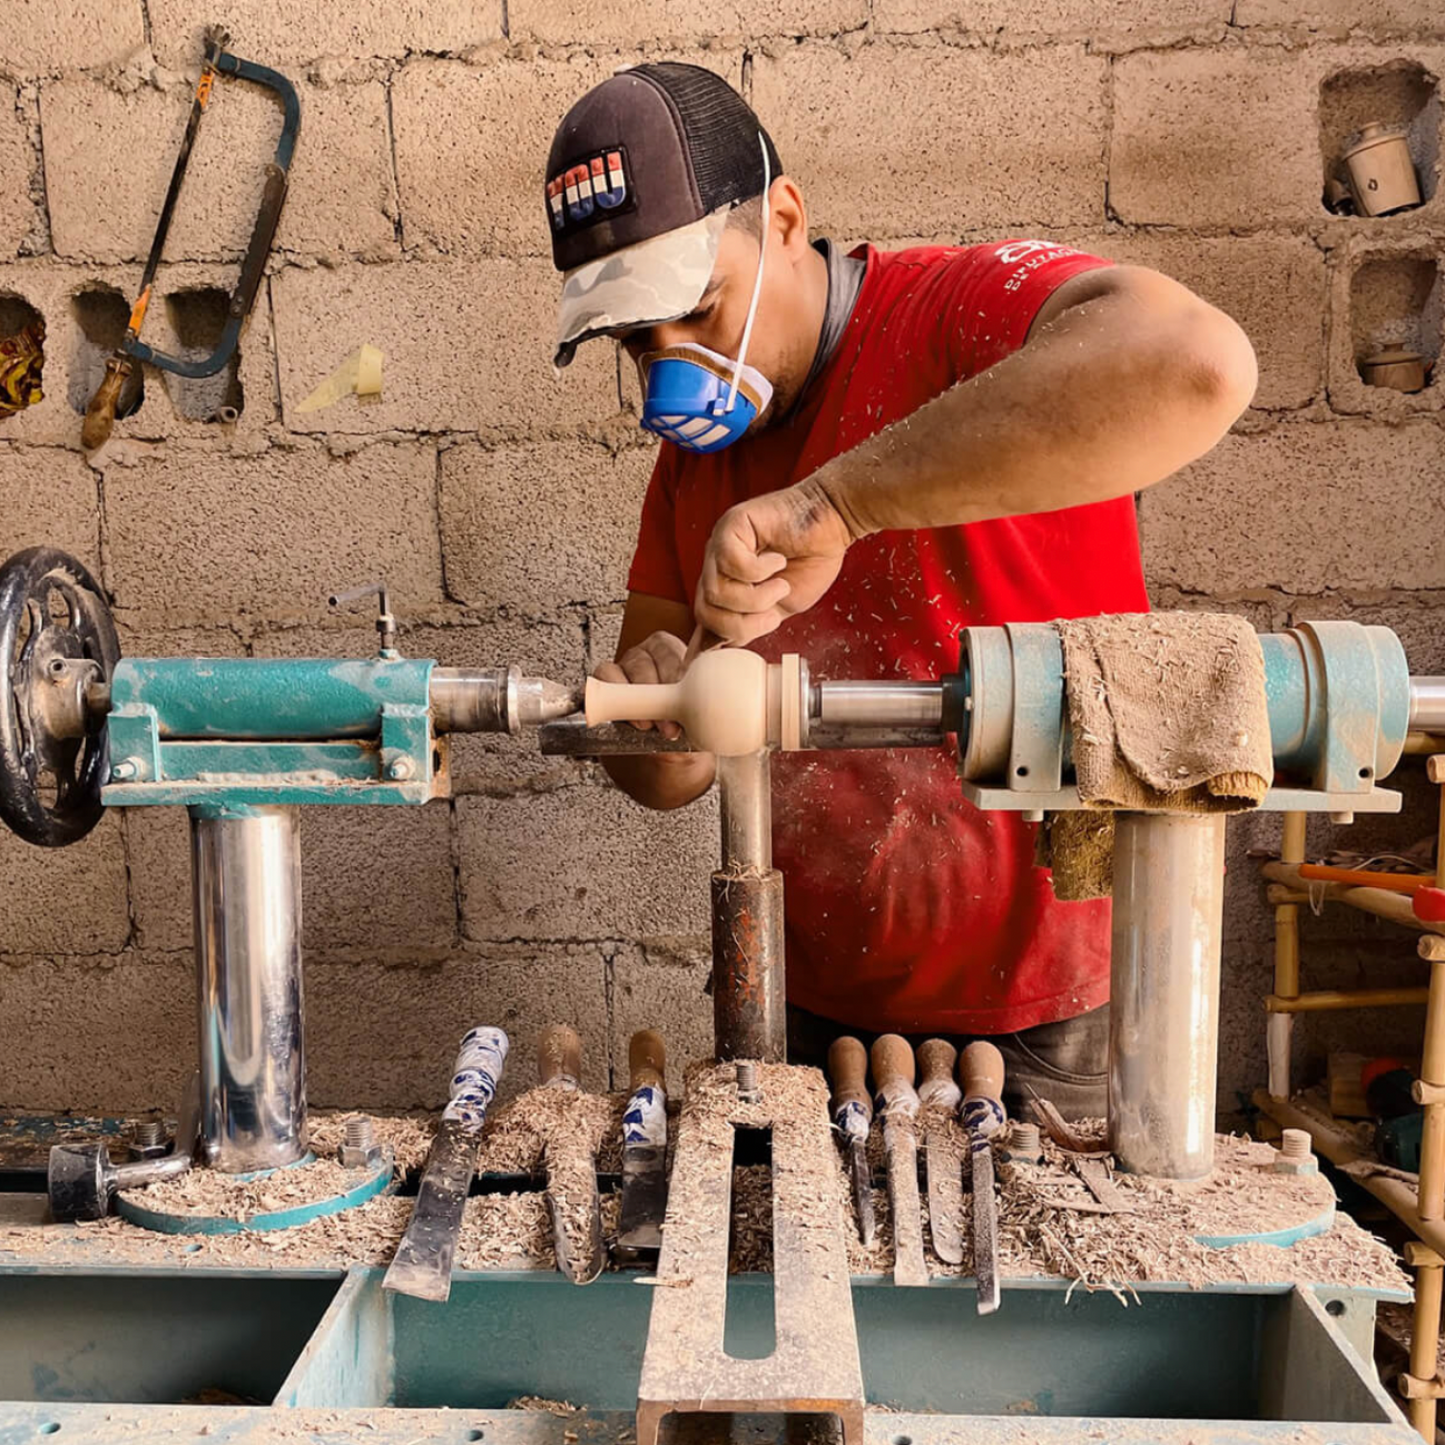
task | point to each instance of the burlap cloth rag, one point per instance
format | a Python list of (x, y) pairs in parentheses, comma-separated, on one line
[(1168, 714)]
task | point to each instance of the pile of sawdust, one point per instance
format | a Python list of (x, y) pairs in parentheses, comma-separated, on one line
[(1041, 1234), (205, 1192), (516, 1135)]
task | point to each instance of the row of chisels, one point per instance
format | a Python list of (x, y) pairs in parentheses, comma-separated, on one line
[(422, 1265), (975, 1098)]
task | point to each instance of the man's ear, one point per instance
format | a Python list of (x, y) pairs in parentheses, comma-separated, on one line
[(788, 216)]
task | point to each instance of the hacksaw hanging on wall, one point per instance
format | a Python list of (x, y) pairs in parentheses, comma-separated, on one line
[(119, 390)]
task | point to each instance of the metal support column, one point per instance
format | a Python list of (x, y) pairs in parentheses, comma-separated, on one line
[(246, 878), (747, 918), (1279, 1027), (1164, 992)]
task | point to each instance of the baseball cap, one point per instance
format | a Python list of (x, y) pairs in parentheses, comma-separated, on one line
[(640, 179)]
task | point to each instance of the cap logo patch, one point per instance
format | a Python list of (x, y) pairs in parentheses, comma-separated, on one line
[(589, 191)]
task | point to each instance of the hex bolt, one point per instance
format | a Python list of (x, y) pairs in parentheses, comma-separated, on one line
[(399, 769), (1294, 1155), (1342, 819), (359, 1132), (359, 1148), (748, 1091), (1025, 1144), (148, 1140), (124, 771)]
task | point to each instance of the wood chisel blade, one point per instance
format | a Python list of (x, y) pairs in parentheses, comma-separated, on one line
[(985, 1226), (897, 1103), (580, 1259), (944, 1166), (939, 1098), (422, 1265), (644, 1200), (863, 1190), (644, 1148), (980, 1070), (852, 1113)]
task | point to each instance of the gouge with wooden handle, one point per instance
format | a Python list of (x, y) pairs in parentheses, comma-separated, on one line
[(852, 1117), (939, 1098), (895, 1100), (570, 1164), (980, 1072), (644, 1149)]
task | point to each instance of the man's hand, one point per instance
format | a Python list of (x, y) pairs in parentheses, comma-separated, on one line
[(657, 658), (768, 559)]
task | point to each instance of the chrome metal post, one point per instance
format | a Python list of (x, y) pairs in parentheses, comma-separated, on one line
[(1427, 704), (1164, 992), (747, 918), (246, 878)]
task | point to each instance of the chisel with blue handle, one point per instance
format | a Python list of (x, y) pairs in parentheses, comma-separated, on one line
[(852, 1116), (644, 1148), (423, 1263)]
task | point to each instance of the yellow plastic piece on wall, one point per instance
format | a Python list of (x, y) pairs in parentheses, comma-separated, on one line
[(359, 373)]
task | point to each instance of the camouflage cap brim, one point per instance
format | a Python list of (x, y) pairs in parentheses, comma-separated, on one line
[(644, 284)]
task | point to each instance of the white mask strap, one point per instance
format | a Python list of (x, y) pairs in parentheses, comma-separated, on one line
[(757, 284)]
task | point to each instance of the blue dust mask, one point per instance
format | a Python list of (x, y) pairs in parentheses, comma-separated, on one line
[(697, 399)]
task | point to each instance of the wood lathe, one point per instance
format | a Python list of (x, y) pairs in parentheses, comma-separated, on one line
[(242, 743)]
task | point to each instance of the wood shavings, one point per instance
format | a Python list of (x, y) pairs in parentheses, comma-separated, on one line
[(516, 1134)]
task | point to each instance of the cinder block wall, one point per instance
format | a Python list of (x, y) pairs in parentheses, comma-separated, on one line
[(499, 501)]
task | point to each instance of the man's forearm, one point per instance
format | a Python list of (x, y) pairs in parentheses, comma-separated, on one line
[(663, 780), (1112, 396)]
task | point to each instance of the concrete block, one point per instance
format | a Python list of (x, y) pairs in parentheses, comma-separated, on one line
[(17, 160), (513, 532), (604, 628), (468, 348), (378, 877), (1304, 506), (1189, 129), (1417, 619), (76, 346), (396, 1051), (664, 988), (1188, 125), (108, 160), (269, 536), (1411, 17), (40, 37), (1273, 286), (472, 143), (158, 852), (584, 862), (1119, 24), (291, 34), (50, 500), (64, 902), (96, 1034), (562, 22), (1384, 293), (1027, 131)]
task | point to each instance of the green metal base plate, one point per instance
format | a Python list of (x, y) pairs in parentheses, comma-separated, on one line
[(369, 1183)]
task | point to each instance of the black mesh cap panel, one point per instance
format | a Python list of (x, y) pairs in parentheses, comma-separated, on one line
[(720, 131)]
